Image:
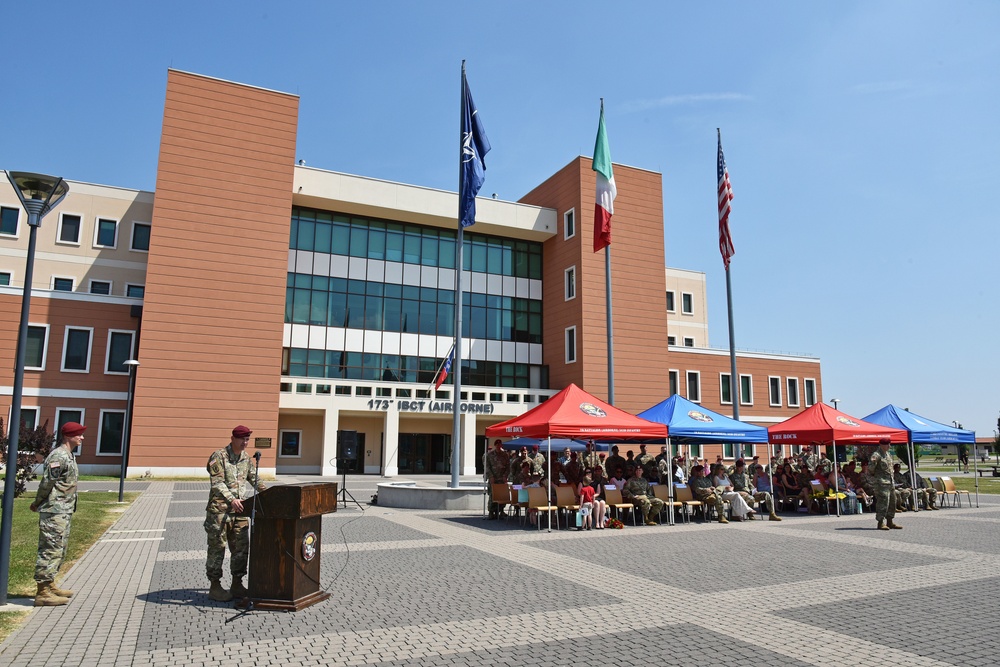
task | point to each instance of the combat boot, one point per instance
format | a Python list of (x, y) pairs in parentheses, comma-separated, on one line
[(773, 517), (46, 596), (62, 592), (238, 589), (893, 525), (723, 519), (882, 526), (218, 593)]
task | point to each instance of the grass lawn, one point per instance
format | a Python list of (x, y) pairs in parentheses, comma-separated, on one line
[(94, 514)]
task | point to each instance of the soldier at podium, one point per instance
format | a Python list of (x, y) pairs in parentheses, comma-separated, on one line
[(233, 478)]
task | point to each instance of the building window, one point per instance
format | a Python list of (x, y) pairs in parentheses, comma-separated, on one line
[(64, 415), (694, 386), (290, 444), (674, 380), (29, 417), (687, 303), (34, 358), (793, 392), (725, 388), (109, 439), (671, 340), (106, 233), (62, 284), (570, 345), (119, 351), (688, 342), (140, 236), (570, 283), (76, 350), (746, 390), (774, 391), (810, 392), (100, 287), (671, 306), (69, 229), (569, 224), (8, 220), (135, 291), (4, 278)]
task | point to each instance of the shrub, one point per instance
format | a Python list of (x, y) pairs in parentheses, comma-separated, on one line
[(33, 445)]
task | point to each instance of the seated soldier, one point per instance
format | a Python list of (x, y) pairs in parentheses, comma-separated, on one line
[(705, 491), (641, 495), (926, 494), (745, 485), (904, 489)]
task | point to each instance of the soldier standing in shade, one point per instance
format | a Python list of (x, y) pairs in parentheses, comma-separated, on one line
[(233, 478), (641, 494), (880, 469), (514, 476), (497, 466), (590, 458), (55, 502), (614, 462), (743, 484), (647, 461), (537, 461)]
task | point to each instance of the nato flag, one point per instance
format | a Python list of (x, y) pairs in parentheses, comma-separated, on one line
[(475, 146)]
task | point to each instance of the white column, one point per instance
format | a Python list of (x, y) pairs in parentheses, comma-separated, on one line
[(390, 466), (331, 423), (468, 444)]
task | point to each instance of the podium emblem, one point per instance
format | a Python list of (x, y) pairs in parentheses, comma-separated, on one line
[(309, 544)]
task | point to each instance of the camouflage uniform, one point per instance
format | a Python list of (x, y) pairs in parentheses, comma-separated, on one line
[(648, 463), (496, 465), (515, 476), (880, 470), (537, 463), (573, 471), (743, 485), (613, 463), (926, 493), (904, 495), (639, 493), (590, 460), (232, 478), (706, 492), (56, 502), (810, 460)]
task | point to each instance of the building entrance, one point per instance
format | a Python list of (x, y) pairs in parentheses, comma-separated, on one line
[(424, 453)]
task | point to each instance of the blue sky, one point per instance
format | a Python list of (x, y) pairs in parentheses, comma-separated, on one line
[(859, 138)]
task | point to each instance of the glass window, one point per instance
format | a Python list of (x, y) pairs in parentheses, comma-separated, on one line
[(412, 240), (570, 283), (810, 392), (29, 418), (109, 440), (135, 291), (290, 444), (694, 386), (792, 385), (774, 393), (569, 224), (688, 342), (8, 220), (35, 349), (69, 228), (671, 340), (322, 237), (107, 233), (340, 236), (570, 345), (687, 303), (76, 350), (675, 382), (64, 416), (62, 284), (670, 301), (4, 278), (119, 351), (394, 245), (140, 236), (746, 390), (100, 287), (359, 241), (726, 388)]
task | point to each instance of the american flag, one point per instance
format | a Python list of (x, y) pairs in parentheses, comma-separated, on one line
[(725, 196)]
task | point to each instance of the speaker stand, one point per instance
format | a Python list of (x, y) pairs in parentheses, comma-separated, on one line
[(344, 493)]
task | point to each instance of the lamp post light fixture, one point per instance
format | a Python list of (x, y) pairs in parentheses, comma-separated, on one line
[(835, 401), (133, 366), (39, 194)]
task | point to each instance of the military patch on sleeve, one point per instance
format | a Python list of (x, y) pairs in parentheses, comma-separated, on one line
[(215, 467), (55, 465)]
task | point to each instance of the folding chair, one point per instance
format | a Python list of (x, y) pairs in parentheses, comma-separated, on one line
[(662, 491), (613, 497), (949, 488), (538, 500), (501, 499), (684, 495), (566, 500)]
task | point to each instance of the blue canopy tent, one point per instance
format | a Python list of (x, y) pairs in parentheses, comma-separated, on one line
[(573, 444), (691, 423), (923, 431)]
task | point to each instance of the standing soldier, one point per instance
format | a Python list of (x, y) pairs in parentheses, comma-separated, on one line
[(497, 466), (514, 474), (880, 468), (808, 459), (647, 461), (537, 461), (614, 462), (590, 458), (55, 503), (233, 478)]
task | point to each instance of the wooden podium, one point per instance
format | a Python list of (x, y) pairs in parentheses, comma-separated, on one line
[(285, 545)]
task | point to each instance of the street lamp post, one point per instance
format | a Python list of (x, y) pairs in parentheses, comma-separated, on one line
[(133, 366), (39, 194), (835, 401)]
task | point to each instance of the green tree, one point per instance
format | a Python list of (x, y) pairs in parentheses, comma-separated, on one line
[(33, 445), (903, 453)]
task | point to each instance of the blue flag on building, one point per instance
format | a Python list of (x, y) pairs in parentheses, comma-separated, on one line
[(475, 146)]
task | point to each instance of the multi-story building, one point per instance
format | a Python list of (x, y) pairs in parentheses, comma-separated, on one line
[(308, 304)]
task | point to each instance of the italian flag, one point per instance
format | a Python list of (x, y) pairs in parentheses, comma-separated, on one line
[(604, 204)]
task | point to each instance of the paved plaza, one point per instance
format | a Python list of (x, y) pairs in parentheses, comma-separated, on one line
[(412, 587)]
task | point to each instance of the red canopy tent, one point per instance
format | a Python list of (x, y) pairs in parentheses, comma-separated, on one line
[(822, 424), (573, 413)]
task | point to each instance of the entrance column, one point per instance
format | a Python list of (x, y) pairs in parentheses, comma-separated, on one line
[(468, 445), (331, 423), (390, 461)]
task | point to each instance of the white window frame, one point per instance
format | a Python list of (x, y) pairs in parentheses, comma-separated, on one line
[(742, 401), (17, 232), (34, 409), (805, 383), (770, 386), (669, 299), (45, 348), (97, 231), (281, 433), (83, 413), (10, 278), (90, 348), (131, 240), (570, 332), (687, 385), (72, 280), (110, 284), (567, 229), (674, 377), (142, 285), (788, 392), (107, 352), (722, 398), (671, 340), (690, 297), (569, 283), (59, 229), (688, 338), (100, 429)]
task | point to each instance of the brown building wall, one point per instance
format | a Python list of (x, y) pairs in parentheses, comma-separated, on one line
[(638, 285), (215, 283)]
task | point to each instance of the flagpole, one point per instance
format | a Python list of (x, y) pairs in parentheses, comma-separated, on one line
[(725, 195), (456, 415), (734, 379), (610, 326)]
